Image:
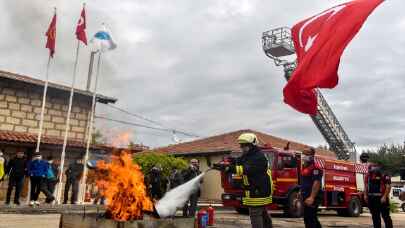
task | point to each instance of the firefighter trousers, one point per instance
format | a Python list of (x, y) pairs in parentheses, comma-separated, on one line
[(378, 210), (259, 218), (311, 217)]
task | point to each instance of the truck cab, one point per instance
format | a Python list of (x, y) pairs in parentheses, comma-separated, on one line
[(285, 167)]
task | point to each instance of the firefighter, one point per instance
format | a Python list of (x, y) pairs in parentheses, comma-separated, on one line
[(311, 184), (378, 187), (256, 176), (364, 158)]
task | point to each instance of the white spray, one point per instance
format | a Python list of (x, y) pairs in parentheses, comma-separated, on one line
[(177, 197)]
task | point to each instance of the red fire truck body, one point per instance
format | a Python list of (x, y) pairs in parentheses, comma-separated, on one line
[(342, 183)]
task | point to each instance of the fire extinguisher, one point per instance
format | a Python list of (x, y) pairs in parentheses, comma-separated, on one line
[(202, 219), (211, 214)]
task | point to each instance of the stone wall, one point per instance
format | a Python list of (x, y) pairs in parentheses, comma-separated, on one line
[(20, 110)]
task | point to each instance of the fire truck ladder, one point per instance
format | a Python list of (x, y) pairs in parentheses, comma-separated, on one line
[(278, 46)]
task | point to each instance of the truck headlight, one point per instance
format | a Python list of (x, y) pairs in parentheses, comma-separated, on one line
[(226, 197)]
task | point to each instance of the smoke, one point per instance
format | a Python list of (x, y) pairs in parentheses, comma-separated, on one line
[(177, 197)]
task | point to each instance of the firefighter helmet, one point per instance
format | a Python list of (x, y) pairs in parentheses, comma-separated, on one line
[(248, 138)]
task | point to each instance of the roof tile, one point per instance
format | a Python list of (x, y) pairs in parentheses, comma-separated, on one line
[(228, 143)]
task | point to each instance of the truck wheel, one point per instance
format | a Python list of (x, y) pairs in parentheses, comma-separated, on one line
[(242, 211), (295, 207), (354, 208)]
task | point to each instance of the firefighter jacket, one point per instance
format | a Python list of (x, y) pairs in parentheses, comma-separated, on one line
[(376, 183), (256, 176)]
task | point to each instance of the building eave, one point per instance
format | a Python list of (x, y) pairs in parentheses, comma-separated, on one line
[(37, 82)]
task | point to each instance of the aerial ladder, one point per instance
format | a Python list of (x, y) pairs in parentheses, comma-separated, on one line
[(278, 46)]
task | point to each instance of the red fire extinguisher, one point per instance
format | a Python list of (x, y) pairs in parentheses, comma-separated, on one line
[(202, 219), (211, 214)]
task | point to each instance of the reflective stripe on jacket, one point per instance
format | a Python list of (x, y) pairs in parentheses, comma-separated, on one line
[(256, 178)]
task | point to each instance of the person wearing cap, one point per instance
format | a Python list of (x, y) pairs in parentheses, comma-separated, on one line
[(364, 158), (16, 169), (37, 171), (310, 191), (253, 167), (193, 170), (376, 195), (74, 174)]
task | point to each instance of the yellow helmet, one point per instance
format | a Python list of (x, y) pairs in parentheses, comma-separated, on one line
[(248, 138)]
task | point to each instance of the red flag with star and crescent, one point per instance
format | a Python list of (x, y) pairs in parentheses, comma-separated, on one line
[(51, 34), (81, 27), (319, 42)]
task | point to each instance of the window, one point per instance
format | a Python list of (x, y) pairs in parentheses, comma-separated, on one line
[(286, 161), (270, 159)]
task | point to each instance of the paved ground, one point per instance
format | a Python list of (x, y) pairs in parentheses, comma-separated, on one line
[(230, 219), (225, 219)]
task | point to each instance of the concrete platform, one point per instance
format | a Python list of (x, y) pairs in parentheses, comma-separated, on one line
[(51, 209)]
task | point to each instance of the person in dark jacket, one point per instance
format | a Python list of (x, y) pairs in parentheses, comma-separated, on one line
[(155, 183), (16, 169), (176, 178), (190, 207), (52, 177), (73, 176), (311, 185), (37, 170), (252, 166)]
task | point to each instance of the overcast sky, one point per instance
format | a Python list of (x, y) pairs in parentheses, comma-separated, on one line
[(198, 65)]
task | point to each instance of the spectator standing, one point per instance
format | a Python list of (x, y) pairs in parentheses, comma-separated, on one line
[(16, 169), (52, 177), (38, 170), (74, 174), (176, 178), (155, 182), (191, 206)]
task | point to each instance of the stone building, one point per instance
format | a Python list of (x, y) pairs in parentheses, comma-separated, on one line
[(20, 109)]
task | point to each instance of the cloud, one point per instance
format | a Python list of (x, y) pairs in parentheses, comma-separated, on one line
[(199, 66)]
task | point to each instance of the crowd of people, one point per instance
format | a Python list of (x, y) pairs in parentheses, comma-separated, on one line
[(43, 175), (158, 184)]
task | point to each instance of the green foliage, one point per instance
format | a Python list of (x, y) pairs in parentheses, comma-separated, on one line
[(167, 162), (131, 145), (394, 207), (391, 158), (98, 137)]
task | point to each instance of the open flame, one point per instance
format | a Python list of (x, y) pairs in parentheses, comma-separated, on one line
[(122, 184)]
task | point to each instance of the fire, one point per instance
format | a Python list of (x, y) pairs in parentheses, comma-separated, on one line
[(122, 184)]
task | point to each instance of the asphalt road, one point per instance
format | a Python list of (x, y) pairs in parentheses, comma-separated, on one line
[(224, 219)]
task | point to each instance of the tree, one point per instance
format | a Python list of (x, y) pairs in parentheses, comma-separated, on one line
[(98, 137), (167, 162), (131, 145), (391, 158)]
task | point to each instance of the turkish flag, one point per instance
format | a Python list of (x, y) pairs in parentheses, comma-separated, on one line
[(51, 34), (319, 42), (81, 28)]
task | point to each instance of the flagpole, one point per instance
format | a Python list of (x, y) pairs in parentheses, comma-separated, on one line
[(41, 120), (62, 158), (90, 132)]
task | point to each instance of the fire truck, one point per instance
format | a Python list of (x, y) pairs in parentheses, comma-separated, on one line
[(342, 182)]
